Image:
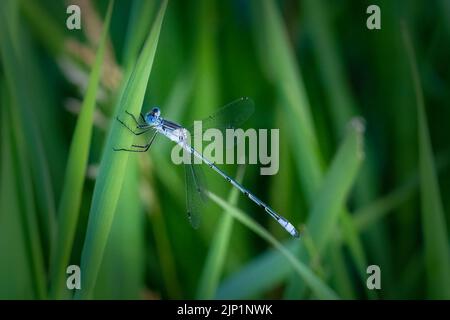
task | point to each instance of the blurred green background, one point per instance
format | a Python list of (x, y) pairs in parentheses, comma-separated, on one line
[(363, 118)]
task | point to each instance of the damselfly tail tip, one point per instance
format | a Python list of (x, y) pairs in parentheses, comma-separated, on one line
[(289, 227), (294, 232)]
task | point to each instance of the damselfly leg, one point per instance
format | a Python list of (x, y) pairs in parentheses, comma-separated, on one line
[(139, 125), (142, 126), (143, 148)]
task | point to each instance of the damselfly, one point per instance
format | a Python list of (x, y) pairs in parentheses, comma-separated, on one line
[(229, 116)]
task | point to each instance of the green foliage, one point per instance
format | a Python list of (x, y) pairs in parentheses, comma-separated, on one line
[(113, 164), (75, 172), (437, 255), (314, 71)]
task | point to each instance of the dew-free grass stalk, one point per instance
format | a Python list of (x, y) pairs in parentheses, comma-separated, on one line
[(17, 216), (139, 23), (363, 217), (284, 70), (339, 179), (322, 221), (437, 256), (286, 76), (320, 289), (27, 204), (69, 205), (14, 57), (113, 164), (43, 26), (122, 269), (164, 249), (218, 249)]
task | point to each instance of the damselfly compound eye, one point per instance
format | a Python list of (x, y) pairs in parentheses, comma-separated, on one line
[(156, 112)]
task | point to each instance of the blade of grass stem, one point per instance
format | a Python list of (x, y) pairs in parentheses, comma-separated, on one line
[(14, 57), (322, 222), (218, 249), (437, 258), (112, 168), (70, 202), (27, 204), (319, 288), (13, 240)]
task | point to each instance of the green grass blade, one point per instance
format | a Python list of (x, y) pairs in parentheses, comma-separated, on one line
[(337, 184), (341, 103), (375, 211), (342, 106), (367, 215), (283, 68), (26, 202), (340, 273), (139, 23), (333, 192), (49, 31), (253, 279), (323, 217), (286, 76), (437, 258), (70, 202), (163, 246), (13, 244), (219, 247), (14, 57), (206, 95), (355, 246), (173, 108), (113, 164), (122, 271), (320, 289)]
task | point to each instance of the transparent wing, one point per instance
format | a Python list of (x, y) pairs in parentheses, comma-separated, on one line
[(195, 193), (228, 117)]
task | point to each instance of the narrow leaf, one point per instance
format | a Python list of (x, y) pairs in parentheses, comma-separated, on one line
[(323, 219), (218, 249), (113, 164), (437, 257), (69, 205), (320, 289)]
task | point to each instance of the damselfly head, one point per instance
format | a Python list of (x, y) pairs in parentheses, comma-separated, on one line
[(152, 116)]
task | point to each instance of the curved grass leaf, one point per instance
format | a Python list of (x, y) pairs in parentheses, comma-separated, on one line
[(218, 249), (363, 217), (284, 70), (327, 207), (113, 164), (13, 239), (122, 270), (342, 105), (321, 224), (15, 56), (320, 289), (340, 273), (26, 203), (437, 257), (355, 246), (139, 22), (44, 27), (285, 74), (175, 104), (69, 205), (375, 211)]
